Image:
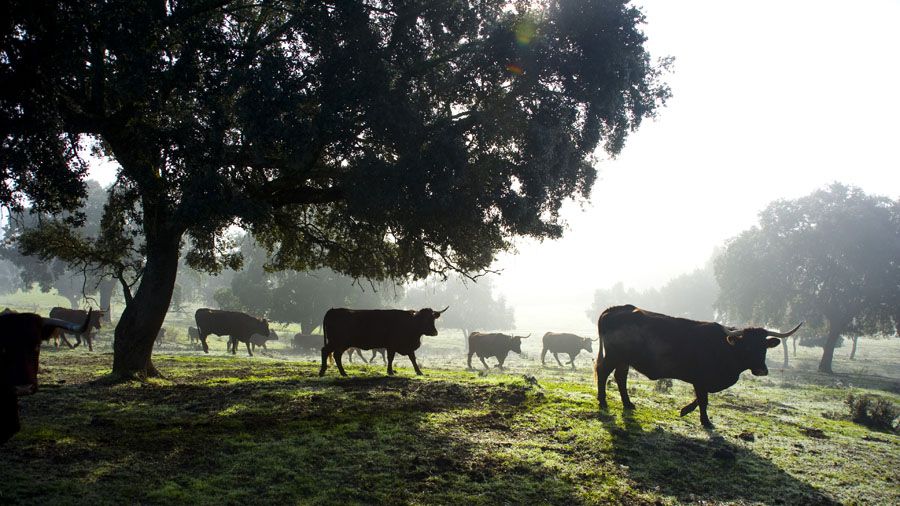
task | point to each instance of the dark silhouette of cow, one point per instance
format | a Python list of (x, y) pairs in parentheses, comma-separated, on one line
[(256, 340), (307, 342), (396, 330), (570, 344), (707, 355), (237, 326), (193, 335), (20, 347), (78, 316), (493, 345)]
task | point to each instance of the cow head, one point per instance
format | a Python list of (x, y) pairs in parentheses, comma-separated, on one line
[(751, 344), (515, 343), (586, 344), (425, 318)]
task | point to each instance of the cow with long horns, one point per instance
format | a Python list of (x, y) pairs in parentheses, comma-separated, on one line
[(708, 355), (396, 330)]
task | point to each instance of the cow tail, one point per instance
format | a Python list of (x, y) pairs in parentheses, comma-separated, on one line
[(599, 349)]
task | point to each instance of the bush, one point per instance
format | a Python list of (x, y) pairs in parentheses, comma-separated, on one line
[(873, 412), (663, 385)]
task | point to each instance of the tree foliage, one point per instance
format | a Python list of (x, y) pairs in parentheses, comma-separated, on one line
[(381, 139), (690, 295), (831, 258)]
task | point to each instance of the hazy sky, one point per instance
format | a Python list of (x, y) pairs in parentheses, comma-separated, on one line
[(772, 99)]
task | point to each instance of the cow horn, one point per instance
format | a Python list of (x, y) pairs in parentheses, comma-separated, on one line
[(783, 334), (731, 332), (442, 310), (526, 337)]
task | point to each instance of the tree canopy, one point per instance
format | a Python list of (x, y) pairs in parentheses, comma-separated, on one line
[(831, 258), (381, 139)]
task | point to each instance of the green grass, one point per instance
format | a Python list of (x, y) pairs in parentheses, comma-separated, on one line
[(266, 430)]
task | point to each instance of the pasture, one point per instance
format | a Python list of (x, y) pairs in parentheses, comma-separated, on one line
[(266, 430)]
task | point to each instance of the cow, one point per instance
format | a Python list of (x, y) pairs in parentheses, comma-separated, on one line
[(307, 342), (493, 345), (708, 355), (237, 326), (20, 347), (375, 351), (257, 340), (396, 330), (78, 315), (160, 336), (569, 344), (193, 335)]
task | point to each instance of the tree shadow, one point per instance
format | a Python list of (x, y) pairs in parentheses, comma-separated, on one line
[(702, 470)]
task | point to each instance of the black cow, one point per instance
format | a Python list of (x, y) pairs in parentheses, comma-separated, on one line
[(396, 330), (307, 342), (77, 316), (493, 345), (237, 326), (257, 340), (707, 355), (569, 344), (20, 347)]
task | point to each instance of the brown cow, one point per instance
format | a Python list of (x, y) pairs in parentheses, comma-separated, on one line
[(20, 347), (77, 315)]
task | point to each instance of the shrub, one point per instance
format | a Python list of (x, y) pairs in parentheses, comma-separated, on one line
[(873, 411), (663, 385)]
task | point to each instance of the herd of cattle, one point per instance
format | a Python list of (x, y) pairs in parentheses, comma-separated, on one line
[(708, 355)]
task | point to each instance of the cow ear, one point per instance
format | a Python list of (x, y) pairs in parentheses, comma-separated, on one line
[(772, 342)]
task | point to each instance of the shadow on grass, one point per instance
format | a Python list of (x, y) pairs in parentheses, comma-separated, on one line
[(284, 440), (702, 470)]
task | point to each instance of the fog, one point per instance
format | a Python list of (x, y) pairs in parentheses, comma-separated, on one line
[(771, 100)]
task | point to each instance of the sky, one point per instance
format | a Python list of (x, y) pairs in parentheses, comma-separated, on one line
[(772, 100)]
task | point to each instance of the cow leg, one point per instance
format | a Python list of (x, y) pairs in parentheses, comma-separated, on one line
[(412, 358), (703, 401), (391, 354), (622, 380), (77, 340), (543, 354), (486, 367), (372, 358), (603, 368), (248, 348), (469, 360), (203, 342), (361, 356), (556, 356), (383, 359), (338, 354), (500, 362), (89, 339), (572, 361), (690, 407), (326, 353)]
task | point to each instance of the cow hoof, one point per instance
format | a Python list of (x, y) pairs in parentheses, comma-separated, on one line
[(707, 424), (629, 406)]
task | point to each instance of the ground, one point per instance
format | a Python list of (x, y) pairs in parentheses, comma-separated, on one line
[(267, 430)]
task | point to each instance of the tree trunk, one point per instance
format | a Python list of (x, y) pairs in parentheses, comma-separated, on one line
[(141, 320), (465, 341), (834, 332), (785, 348), (106, 292), (853, 350), (73, 301)]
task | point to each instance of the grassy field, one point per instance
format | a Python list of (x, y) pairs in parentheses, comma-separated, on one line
[(266, 430)]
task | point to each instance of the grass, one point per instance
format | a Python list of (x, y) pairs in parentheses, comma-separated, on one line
[(266, 430)]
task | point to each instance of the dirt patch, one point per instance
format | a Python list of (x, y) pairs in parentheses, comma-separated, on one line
[(814, 433)]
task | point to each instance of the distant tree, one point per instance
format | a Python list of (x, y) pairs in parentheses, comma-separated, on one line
[(689, 295), (10, 279), (473, 305), (831, 258), (380, 139), (297, 297)]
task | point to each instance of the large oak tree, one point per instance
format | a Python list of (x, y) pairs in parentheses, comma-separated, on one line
[(831, 258), (383, 139)]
